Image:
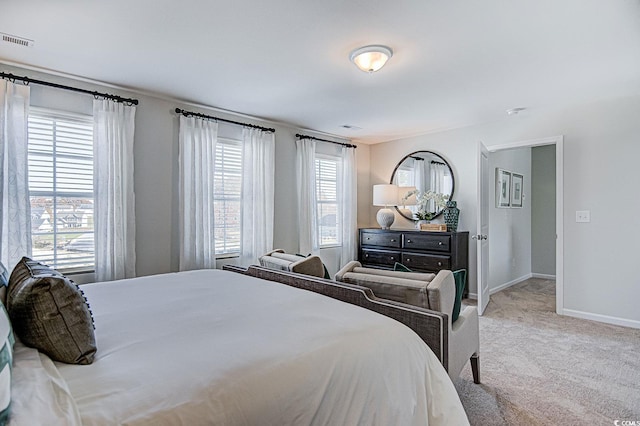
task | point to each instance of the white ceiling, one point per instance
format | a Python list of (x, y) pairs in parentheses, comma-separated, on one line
[(455, 63)]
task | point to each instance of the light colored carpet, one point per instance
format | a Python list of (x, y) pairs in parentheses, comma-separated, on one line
[(539, 368)]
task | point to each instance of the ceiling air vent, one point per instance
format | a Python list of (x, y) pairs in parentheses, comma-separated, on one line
[(350, 127), (20, 41)]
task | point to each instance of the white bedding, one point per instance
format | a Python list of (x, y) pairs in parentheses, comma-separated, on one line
[(213, 347)]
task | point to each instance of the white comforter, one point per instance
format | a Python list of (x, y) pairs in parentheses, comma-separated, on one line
[(213, 347)]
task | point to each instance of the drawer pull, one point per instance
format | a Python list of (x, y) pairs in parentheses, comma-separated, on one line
[(392, 258), (368, 238), (439, 263), (366, 255), (393, 240), (408, 241), (439, 243), (408, 260)]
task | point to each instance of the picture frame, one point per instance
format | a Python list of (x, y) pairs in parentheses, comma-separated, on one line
[(517, 182), (503, 188)]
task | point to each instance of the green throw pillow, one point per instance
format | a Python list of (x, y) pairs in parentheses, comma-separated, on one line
[(460, 278), (4, 283), (400, 267), (6, 361)]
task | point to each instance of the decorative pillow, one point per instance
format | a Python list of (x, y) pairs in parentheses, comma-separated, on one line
[(460, 278), (6, 361), (4, 282), (50, 313), (326, 271), (400, 267)]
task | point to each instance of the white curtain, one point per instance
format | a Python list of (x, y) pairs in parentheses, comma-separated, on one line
[(258, 164), (437, 177), (197, 142), (437, 182), (114, 208), (15, 214), (348, 201), (306, 188), (418, 175)]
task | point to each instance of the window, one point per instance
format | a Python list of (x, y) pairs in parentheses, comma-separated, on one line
[(327, 178), (60, 155), (227, 196)]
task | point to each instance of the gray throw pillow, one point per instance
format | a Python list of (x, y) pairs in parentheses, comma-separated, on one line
[(48, 312)]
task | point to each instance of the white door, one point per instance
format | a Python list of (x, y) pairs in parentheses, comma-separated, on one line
[(483, 228)]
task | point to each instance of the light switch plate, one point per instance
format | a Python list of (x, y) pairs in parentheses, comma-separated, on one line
[(583, 216)]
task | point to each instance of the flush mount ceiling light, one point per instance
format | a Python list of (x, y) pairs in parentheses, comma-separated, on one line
[(371, 58)]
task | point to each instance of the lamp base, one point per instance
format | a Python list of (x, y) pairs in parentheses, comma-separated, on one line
[(385, 218)]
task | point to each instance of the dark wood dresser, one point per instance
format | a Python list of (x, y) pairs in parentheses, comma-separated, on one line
[(418, 250)]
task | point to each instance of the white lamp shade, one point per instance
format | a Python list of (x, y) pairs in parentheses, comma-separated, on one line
[(412, 200), (385, 195)]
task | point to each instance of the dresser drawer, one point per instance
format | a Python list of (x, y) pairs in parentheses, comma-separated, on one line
[(426, 242), (427, 262), (380, 257), (381, 239)]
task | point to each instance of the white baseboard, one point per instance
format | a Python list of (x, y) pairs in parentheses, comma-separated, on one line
[(602, 318), (510, 283), (543, 276), (473, 296)]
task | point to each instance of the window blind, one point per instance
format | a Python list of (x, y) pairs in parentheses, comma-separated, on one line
[(327, 200), (227, 196), (60, 158)]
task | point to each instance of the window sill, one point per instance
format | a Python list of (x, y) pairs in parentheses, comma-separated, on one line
[(76, 271), (227, 256), (331, 246)]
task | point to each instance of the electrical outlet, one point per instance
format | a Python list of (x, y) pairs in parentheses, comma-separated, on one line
[(583, 216)]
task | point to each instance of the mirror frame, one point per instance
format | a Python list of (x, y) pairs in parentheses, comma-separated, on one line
[(453, 179)]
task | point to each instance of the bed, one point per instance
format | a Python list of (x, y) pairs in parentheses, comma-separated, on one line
[(212, 347)]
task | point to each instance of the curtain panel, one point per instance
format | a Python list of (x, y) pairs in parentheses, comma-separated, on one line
[(307, 202), (258, 164), (15, 211), (115, 232), (349, 203), (197, 142)]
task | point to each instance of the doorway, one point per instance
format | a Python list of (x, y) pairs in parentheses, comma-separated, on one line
[(486, 187)]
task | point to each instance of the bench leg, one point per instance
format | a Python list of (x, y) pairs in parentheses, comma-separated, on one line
[(475, 368)]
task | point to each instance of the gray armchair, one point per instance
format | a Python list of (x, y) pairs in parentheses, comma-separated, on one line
[(431, 291), (279, 260)]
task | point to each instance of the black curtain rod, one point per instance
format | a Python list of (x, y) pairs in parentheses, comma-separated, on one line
[(348, 145), (437, 162), (197, 114), (27, 80), (417, 158)]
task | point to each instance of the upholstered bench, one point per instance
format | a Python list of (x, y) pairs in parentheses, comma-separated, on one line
[(279, 260), (436, 292)]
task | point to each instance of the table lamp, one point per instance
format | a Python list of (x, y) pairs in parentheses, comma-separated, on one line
[(385, 195)]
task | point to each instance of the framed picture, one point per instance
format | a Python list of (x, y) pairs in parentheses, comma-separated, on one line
[(516, 189), (503, 188)]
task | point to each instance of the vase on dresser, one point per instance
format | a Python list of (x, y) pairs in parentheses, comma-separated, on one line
[(451, 216)]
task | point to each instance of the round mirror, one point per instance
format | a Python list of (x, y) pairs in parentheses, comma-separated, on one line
[(425, 182)]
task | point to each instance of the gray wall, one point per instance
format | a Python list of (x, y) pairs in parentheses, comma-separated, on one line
[(510, 228), (600, 154), (156, 171), (543, 207)]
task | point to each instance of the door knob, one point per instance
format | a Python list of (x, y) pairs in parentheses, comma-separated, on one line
[(479, 237)]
